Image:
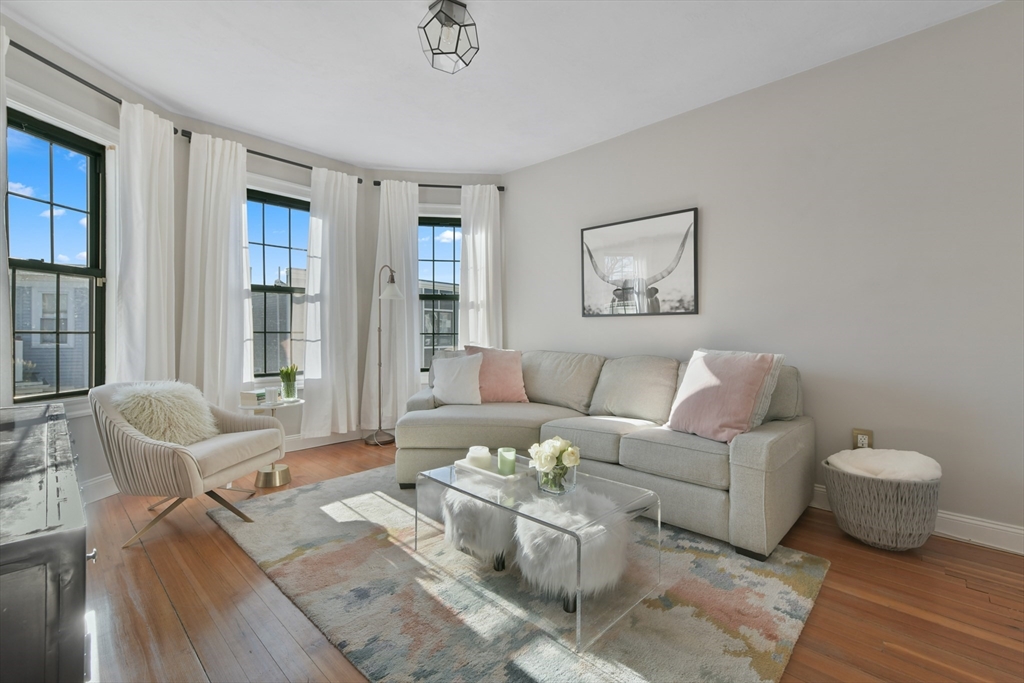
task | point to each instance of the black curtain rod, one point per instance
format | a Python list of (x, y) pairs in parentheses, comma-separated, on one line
[(187, 134), (57, 67), (501, 188)]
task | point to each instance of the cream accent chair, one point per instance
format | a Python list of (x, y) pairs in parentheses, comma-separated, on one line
[(144, 467)]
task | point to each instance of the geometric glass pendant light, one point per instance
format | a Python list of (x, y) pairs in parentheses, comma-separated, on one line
[(448, 36)]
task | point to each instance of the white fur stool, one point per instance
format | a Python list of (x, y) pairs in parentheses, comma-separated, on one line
[(482, 529), (547, 558)]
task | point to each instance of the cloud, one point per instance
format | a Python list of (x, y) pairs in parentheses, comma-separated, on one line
[(56, 212), (20, 188), (84, 221), (61, 258), (82, 256), (449, 235)]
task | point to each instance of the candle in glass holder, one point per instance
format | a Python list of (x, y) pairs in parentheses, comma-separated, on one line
[(506, 461), (479, 456)]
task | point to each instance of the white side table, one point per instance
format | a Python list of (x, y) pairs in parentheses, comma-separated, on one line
[(273, 475), (272, 407)]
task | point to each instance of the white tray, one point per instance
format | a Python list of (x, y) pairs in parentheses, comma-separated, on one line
[(521, 470)]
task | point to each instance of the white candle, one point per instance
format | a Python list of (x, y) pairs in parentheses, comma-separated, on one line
[(507, 461), (479, 456)]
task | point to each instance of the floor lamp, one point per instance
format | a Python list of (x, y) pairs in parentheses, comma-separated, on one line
[(391, 292)]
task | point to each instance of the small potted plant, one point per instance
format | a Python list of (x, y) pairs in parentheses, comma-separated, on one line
[(288, 381), (555, 461)]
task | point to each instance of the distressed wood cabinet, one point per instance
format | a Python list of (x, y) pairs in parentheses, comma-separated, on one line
[(42, 549)]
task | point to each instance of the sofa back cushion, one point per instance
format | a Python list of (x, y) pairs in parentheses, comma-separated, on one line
[(788, 397), (561, 379), (636, 386)]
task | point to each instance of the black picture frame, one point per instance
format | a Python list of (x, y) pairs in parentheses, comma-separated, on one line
[(613, 257)]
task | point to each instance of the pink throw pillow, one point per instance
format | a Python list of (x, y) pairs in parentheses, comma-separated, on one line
[(719, 394), (501, 375)]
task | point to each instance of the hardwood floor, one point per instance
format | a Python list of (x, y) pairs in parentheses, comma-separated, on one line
[(186, 604)]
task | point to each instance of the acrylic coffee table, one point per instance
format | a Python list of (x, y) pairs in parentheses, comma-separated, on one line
[(598, 517)]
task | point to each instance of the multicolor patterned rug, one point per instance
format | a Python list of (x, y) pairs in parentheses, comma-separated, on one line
[(342, 551)]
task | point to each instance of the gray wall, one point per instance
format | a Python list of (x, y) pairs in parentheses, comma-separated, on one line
[(865, 218), (49, 82)]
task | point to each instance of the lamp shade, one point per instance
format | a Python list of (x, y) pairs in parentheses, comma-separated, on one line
[(448, 36), (391, 290)]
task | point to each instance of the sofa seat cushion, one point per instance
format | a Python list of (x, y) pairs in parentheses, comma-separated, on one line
[(515, 425), (676, 455), (224, 450), (596, 437)]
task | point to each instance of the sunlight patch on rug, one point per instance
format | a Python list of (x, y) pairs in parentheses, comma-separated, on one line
[(342, 551)]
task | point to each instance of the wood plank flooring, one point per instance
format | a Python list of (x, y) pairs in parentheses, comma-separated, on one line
[(186, 604)]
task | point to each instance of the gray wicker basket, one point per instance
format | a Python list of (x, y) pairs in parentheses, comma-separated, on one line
[(893, 514)]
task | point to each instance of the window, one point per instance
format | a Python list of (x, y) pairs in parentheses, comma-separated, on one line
[(278, 242), (440, 254), (55, 237)]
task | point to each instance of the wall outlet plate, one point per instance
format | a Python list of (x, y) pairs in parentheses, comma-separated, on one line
[(863, 438)]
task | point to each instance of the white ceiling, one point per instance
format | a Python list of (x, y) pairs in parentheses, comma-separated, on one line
[(348, 80)]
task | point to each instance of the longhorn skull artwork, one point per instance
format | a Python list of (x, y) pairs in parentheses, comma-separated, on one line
[(636, 293)]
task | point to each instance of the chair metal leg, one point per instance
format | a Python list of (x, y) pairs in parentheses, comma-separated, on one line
[(156, 505), (155, 521), (229, 487), (220, 499)]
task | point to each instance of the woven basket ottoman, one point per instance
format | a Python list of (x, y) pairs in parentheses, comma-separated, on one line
[(892, 514)]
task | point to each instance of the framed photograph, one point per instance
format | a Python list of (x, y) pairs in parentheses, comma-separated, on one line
[(644, 266)]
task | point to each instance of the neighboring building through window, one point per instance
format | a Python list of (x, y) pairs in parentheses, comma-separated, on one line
[(440, 257), (55, 239), (278, 243)]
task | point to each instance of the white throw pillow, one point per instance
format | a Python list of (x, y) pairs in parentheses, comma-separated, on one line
[(174, 412), (457, 380)]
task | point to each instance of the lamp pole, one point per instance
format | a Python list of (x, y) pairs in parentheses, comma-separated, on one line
[(380, 437)]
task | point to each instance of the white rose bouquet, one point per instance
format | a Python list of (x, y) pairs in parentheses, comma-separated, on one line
[(552, 460)]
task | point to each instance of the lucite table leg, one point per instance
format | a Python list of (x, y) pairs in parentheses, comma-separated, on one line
[(579, 591)]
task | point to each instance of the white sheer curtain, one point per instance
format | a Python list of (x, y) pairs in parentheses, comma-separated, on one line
[(6, 331), (396, 247), (480, 293), (216, 326), (140, 252), (331, 375)]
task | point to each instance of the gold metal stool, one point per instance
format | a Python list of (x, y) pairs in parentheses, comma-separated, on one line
[(272, 476)]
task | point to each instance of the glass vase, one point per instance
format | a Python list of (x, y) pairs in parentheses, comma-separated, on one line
[(558, 481), (288, 390)]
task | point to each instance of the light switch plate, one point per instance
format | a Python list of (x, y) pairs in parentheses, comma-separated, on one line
[(863, 438)]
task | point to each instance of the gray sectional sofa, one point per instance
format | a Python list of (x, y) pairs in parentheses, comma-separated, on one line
[(748, 493)]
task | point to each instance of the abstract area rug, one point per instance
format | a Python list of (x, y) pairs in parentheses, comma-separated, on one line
[(341, 550)]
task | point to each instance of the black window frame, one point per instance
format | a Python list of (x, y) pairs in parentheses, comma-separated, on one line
[(265, 198), (95, 267), (429, 222)]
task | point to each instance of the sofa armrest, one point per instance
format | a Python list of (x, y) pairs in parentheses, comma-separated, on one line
[(422, 400), (771, 481), (770, 446)]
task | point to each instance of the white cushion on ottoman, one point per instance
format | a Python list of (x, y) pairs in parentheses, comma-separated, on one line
[(547, 558), (483, 529), (887, 464)]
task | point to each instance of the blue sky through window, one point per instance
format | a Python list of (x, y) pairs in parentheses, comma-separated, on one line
[(30, 210)]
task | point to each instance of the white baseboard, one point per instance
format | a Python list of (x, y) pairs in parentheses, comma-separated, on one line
[(97, 488), (961, 527), (295, 442)]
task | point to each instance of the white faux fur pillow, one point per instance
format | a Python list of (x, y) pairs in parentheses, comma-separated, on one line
[(174, 412)]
